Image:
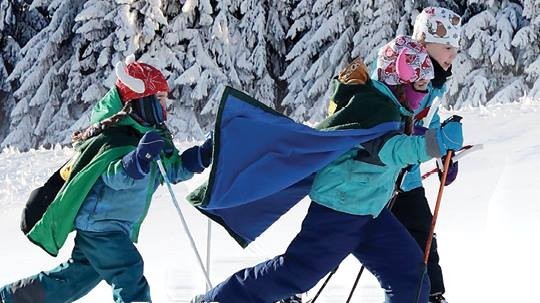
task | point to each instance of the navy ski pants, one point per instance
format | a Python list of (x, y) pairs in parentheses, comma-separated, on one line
[(327, 236), (109, 256)]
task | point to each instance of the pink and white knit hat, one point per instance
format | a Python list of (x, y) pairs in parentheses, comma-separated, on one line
[(403, 61)]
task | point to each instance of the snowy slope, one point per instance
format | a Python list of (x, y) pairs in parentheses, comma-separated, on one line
[(487, 225)]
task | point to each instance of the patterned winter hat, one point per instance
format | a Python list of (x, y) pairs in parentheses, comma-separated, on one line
[(438, 25), (138, 80), (403, 61)]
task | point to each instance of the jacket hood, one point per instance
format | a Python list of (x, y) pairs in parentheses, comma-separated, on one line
[(110, 105)]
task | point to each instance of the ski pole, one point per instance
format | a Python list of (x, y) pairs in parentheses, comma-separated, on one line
[(433, 222), (437, 206), (208, 247), (355, 283), (432, 109), (179, 211), (323, 286)]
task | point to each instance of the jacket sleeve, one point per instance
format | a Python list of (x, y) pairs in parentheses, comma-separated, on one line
[(398, 150), (115, 176), (176, 172)]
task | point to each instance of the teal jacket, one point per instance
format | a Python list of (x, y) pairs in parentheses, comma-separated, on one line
[(362, 180), (412, 178), (118, 202)]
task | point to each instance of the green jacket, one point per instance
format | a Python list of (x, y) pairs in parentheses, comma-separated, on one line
[(92, 159), (362, 180)]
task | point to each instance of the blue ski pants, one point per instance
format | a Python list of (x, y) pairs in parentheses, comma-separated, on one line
[(327, 236)]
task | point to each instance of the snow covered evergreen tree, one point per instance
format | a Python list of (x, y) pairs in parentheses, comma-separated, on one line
[(488, 68), (20, 20), (527, 39), (41, 73), (18, 24), (237, 43), (58, 56), (199, 29), (328, 35), (109, 32), (457, 6), (377, 25), (10, 49), (171, 48), (260, 20)]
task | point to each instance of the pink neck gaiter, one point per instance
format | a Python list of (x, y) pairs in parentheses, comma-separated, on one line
[(413, 96)]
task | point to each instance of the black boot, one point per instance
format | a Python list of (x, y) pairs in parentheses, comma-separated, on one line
[(437, 298)]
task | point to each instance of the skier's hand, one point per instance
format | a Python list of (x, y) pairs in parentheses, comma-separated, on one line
[(450, 135), (137, 162), (197, 158), (206, 151), (452, 171), (150, 146)]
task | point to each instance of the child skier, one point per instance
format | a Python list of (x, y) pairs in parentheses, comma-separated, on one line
[(349, 195), (438, 29), (108, 187)]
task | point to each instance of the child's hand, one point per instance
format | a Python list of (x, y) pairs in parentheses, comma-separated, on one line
[(206, 151), (451, 175), (450, 135), (150, 146), (137, 162), (197, 158)]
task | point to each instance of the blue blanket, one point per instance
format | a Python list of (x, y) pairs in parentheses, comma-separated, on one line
[(264, 163)]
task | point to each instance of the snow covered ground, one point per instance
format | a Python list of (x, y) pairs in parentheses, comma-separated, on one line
[(487, 230)]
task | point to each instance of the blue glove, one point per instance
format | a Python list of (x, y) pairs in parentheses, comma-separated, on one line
[(197, 158), (450, 135), (137, 162)]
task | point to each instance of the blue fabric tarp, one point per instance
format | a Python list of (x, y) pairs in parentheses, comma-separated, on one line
[(264, 163)]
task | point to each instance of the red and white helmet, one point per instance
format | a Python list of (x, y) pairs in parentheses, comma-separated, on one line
[(403, 61), (137, 80), (438, 25)]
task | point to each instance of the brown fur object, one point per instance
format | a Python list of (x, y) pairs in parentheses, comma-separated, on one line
[(354, 73)]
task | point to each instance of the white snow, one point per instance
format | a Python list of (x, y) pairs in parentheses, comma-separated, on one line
[(487, 228)]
